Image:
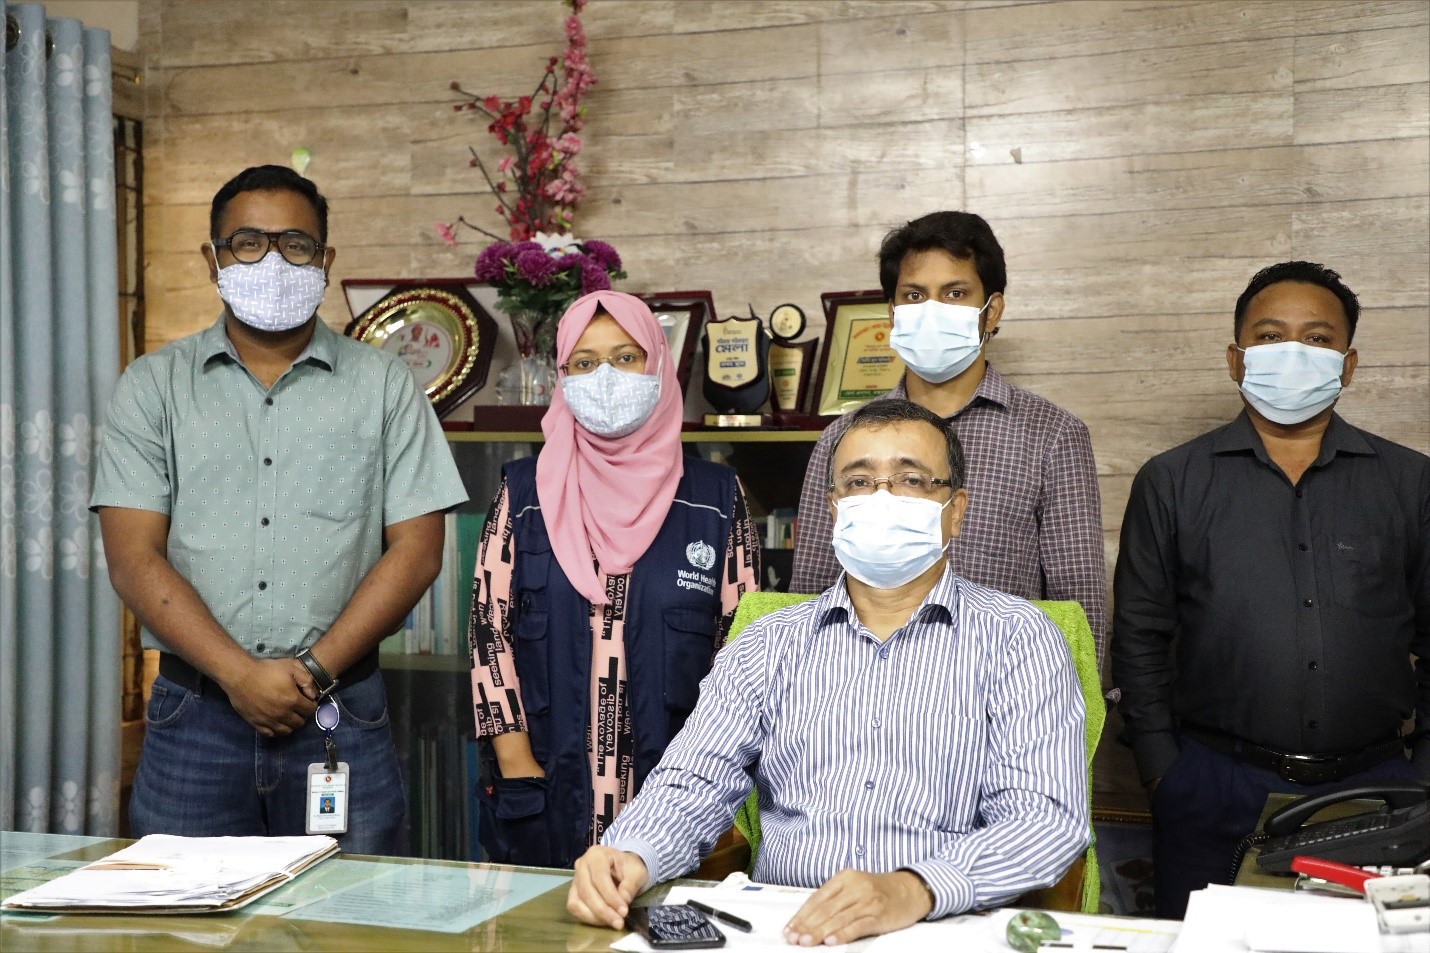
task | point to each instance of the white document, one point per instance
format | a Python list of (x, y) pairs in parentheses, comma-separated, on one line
[(769, 908), (1223, 919), (165, 871)]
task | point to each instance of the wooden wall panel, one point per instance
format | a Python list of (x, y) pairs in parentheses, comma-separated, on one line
[(1139, 161)]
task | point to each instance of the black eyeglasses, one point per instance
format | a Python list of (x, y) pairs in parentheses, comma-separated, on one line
[(250, 246)]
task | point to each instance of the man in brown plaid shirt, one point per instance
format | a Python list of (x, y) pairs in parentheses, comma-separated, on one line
[(1034, 521)]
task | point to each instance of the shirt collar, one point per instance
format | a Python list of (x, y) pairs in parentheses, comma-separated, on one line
[(1340, 437), (320, 352), (834, 605), (994, 388)]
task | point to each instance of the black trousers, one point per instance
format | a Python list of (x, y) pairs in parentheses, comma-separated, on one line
[(1206, 803)]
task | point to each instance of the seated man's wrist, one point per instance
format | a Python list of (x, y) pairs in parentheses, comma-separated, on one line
[(920, 895), (951, 890), (645, 851)]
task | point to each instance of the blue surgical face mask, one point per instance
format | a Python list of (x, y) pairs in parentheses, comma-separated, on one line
[(937, 340), (887, 540), (611, 403), (1290, 382)]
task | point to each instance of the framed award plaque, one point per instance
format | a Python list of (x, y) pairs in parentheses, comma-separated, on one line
[(682, 316), (439, 330), (858, 364)]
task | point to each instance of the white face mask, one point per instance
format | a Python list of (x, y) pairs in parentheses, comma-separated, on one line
[(887, 540), (271, 294), (937, 340), (1290, 382), (611, 403)]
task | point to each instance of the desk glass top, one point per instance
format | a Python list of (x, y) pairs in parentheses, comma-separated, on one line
[(350, 902)]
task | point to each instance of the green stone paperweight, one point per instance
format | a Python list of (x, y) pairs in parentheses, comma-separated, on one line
[(1030, 929)]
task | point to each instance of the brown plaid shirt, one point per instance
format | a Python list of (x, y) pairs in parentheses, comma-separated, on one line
[(1034, 521)]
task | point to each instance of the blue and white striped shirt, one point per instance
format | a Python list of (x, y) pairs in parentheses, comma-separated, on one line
[(955, 749)]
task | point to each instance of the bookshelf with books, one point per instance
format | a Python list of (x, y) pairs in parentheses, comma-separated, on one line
[(427, 664)]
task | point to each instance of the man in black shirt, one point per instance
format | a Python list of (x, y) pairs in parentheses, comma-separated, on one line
[(1273, 581)]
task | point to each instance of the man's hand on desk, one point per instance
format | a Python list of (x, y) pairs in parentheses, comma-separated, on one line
[(854, 904), (275, 696), (606, 882)]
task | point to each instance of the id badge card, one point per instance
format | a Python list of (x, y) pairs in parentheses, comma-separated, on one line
[(328, 799)]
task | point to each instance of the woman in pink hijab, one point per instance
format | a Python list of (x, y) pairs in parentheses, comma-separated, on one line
[(608, 572)]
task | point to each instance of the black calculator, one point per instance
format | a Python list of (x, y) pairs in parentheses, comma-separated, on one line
[(674, 928)]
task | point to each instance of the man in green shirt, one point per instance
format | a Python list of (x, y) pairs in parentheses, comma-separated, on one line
[(271, 496)]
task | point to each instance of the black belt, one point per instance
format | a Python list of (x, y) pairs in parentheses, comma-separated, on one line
[(184, 675), (1307, 769)]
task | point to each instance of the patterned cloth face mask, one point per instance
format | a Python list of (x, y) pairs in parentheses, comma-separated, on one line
[(1289, 382), (272, 294), (611, 403), (937, 340)]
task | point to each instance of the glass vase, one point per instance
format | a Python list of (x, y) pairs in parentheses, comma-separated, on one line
[(530, 380)]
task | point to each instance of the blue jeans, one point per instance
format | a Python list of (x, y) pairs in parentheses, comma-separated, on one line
[(1206, 803), (205, 772)]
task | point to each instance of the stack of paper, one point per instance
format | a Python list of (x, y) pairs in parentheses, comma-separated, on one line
[(768, 908), (163, 873)]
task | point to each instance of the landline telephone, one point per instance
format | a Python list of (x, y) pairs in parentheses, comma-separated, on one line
[(1396, 834)]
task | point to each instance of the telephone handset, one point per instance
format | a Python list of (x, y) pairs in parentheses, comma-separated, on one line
[(1396, 834)]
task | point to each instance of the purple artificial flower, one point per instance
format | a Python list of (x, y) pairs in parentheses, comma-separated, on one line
[(528, 245), (535, 265), (492, 262), (593, 277), (603, 254)]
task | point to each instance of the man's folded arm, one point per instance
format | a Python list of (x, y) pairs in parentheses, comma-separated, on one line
[(691, 797), (1034, 804)]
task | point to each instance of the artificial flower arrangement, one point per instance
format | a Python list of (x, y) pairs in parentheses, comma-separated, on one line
[(537, 279), (542, 268)]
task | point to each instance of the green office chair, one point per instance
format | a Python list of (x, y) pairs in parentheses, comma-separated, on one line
[(1068, 617)]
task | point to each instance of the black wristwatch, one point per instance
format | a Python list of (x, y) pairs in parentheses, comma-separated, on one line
[(325, 682)]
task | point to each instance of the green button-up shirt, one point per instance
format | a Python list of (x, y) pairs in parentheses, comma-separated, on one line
[(277, 498)]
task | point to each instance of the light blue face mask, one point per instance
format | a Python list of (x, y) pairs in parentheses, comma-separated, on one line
[(1290, 382), (887, 540), (937, 340), (611, 403)]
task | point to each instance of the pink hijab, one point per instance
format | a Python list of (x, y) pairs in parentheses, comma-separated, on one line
[(606, 496)]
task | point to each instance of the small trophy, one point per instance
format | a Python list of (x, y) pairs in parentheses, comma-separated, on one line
[(737, 377), (790, 362)]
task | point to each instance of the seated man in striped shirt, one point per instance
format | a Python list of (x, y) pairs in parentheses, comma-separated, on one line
[(917, 739)]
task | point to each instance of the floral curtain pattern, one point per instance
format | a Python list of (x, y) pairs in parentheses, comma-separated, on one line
[(59, 359)]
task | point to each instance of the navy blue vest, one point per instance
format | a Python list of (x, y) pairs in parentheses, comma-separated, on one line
[(671, 629)]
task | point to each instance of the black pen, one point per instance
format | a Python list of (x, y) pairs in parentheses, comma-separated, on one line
[(742, 925), (1054, 945)]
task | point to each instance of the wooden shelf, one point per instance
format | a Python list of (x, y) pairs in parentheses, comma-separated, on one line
[(411, 662)]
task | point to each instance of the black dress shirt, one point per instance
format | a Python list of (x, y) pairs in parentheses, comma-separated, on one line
[(1283, 615)]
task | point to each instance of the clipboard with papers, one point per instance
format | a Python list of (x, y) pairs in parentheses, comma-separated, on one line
[(164, 873)]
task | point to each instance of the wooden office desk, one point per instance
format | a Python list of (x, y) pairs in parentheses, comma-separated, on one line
[(539, 923)]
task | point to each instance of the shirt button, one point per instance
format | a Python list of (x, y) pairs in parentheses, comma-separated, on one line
[(859, 850), (1308, 603), (877, 723), (259, 647), (1313, 724), (1298, 492), (268, 461), (268, 401), (262, 585), (1313, 665), (1302, 546), (884, 654), (868, 785), (263, 522)]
